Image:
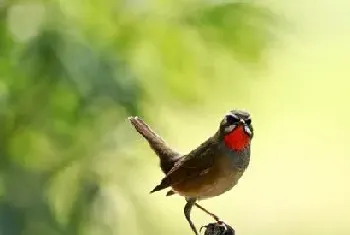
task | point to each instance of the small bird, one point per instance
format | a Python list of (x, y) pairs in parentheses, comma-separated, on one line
[(207, 171)]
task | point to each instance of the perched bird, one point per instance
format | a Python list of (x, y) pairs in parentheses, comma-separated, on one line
[(209, 170)]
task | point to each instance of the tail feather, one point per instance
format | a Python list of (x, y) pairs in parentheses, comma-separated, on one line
[(167, 155), (142, 128)]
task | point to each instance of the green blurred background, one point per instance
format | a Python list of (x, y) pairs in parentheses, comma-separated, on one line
[(72, 71)]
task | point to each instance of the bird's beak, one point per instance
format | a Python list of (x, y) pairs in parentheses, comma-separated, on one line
[(246, 127)]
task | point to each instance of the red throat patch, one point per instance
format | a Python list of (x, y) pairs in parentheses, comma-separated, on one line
[(237, 139)]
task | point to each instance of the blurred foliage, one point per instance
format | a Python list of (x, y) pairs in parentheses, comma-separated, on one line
[(72, 71), (243, 29)]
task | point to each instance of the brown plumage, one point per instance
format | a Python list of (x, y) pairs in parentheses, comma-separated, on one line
[(209, 170)]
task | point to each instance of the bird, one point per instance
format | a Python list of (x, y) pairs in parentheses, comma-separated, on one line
[(207, 171)]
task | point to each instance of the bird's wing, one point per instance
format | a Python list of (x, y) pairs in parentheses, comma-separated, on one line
[(192, 165)]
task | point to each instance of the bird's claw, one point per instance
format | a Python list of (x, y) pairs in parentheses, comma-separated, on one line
[(204, 226), (218, 221), (222, 224)]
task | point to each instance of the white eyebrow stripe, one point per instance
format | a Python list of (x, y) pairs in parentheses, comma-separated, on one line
[(230, 128), (232, 115)]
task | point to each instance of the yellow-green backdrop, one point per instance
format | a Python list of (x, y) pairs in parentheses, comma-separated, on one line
[(72, 71)]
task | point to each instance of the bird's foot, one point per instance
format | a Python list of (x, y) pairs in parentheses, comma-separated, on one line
[(220, 222), (218, 228)]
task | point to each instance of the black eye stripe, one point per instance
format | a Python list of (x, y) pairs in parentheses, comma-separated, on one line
[(232, 119)]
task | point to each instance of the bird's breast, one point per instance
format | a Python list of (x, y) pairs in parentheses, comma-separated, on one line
[(220, 185), (236, 159)]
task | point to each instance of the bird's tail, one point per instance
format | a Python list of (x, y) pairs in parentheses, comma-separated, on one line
[(167, 156)]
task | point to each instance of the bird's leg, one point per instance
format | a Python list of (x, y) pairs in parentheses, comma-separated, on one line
[(187, 211), (215, 217), (213, 226)]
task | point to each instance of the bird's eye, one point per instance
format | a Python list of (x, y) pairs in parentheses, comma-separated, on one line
[(248, 121), (232, 119)]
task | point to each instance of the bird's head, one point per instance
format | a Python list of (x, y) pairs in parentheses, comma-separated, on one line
[(237, 130)]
